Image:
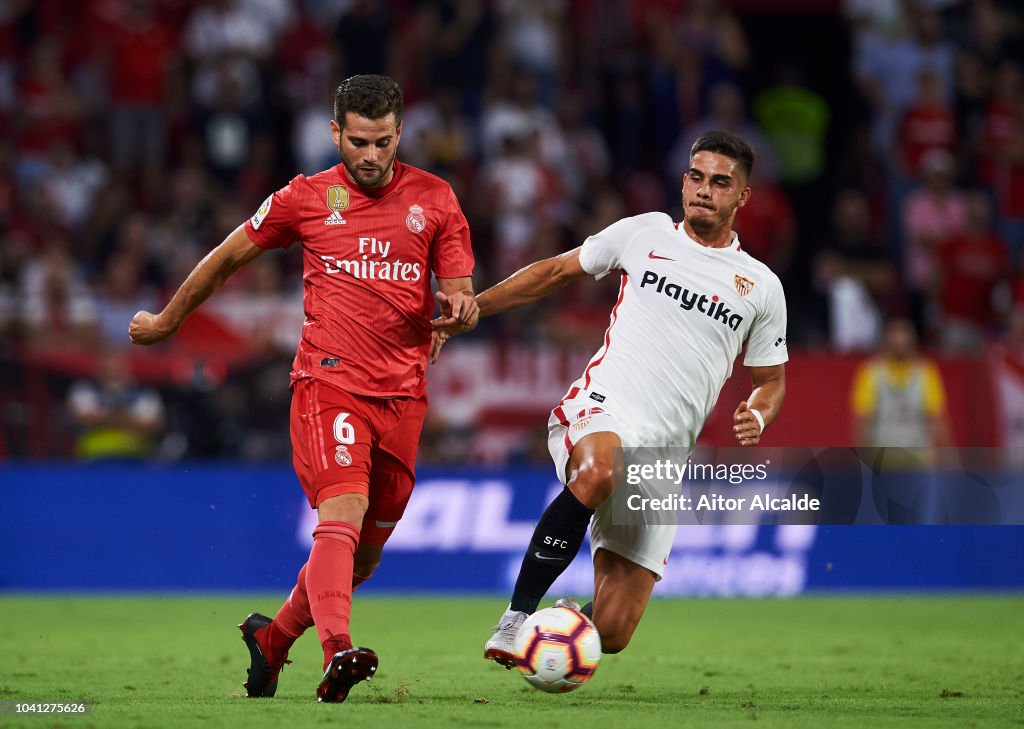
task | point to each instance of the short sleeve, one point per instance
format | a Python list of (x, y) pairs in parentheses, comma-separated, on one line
[(934, 392), (453, 251), (603, 252), (862, 398), (273, 225), (766, 343)]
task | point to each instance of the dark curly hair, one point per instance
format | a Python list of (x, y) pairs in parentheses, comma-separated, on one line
[(728, 144), (368, 95)]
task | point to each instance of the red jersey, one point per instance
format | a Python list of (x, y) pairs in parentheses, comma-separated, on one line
[(367, 260), (972, 265)]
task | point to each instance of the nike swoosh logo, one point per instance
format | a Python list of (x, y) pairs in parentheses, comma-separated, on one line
[(538, 555), (652, 255)]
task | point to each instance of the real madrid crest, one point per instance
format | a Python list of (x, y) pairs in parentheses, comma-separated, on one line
[(342, 457), (415, 221), (743, 285), (337, 197)]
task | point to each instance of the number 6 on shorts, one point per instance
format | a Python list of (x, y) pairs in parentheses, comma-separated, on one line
[(344, 433)]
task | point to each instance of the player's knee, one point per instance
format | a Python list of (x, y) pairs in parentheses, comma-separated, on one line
[(593, 484)]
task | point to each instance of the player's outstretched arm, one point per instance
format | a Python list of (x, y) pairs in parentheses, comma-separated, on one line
[(209, 275), (531, 283), (766, 398)]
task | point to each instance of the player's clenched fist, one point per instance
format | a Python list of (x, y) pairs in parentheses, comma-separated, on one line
[(147, 328), (745, 426)]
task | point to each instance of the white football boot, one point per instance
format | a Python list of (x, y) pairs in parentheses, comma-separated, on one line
[(501, 648)]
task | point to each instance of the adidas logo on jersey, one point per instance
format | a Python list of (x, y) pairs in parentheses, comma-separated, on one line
[(710, 306), (335, 219)]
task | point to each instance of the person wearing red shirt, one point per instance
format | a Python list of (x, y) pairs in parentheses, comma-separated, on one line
[(927, 124), (372, 231), (972, 265)]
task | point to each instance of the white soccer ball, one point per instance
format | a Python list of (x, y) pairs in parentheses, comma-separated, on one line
[(557, 649)]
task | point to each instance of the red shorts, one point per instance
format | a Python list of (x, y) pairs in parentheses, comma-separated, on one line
[(346, 444)]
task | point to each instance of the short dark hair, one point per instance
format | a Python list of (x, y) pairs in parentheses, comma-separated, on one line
[(368, 95), (727, 143)]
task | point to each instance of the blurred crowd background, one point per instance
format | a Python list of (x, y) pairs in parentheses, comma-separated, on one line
[(889, 183)]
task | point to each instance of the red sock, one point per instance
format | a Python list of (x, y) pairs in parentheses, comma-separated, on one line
[(292, 619), (329, 583)]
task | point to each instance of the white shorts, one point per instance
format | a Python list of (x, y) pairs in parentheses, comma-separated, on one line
[(570, 422)]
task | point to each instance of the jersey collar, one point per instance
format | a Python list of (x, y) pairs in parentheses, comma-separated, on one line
[(733, 246)]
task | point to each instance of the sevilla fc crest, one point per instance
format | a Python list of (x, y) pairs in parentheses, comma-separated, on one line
[(743, 285)]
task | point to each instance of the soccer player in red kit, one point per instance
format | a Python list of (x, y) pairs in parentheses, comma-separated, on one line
[(372, 231)]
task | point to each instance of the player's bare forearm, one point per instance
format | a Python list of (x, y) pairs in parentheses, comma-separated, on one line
[(531, 283), (206, 278), (459, 309), (769, 390)]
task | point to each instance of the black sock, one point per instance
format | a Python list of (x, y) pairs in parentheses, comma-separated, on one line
[(554, 545), (588, 609)]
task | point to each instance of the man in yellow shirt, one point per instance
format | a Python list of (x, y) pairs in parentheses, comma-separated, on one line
[(898, 399)]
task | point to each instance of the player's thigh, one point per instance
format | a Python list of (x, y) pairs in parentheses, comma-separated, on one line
[(331, 441), (392, 474), (622, 589), (586, 448)]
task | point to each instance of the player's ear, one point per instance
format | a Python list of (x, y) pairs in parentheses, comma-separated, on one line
[(336, 132), (744, 196), (398, 133)]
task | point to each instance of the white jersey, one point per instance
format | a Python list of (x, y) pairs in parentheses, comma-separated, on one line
[(683, 314)]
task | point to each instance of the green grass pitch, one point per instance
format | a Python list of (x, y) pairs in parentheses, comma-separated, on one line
[(809, 662)]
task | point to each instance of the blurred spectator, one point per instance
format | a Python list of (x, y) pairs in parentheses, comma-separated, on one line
[(48, 111), (116, 418), (795, 119), (931, 214), (854, 274), (121, 293), (887, 67), (462, 50), (517, 113), (72, 182), (974, 274), (226, 38), (928, 123), (525, 192), (140, 52), (1003, 154), (1009, 384), (530, 31), (230, 127), (435, 134), (57, 308), (714, 49), (898, 397)]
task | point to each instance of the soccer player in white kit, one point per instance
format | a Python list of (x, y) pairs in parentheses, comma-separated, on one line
[(689, 299)]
